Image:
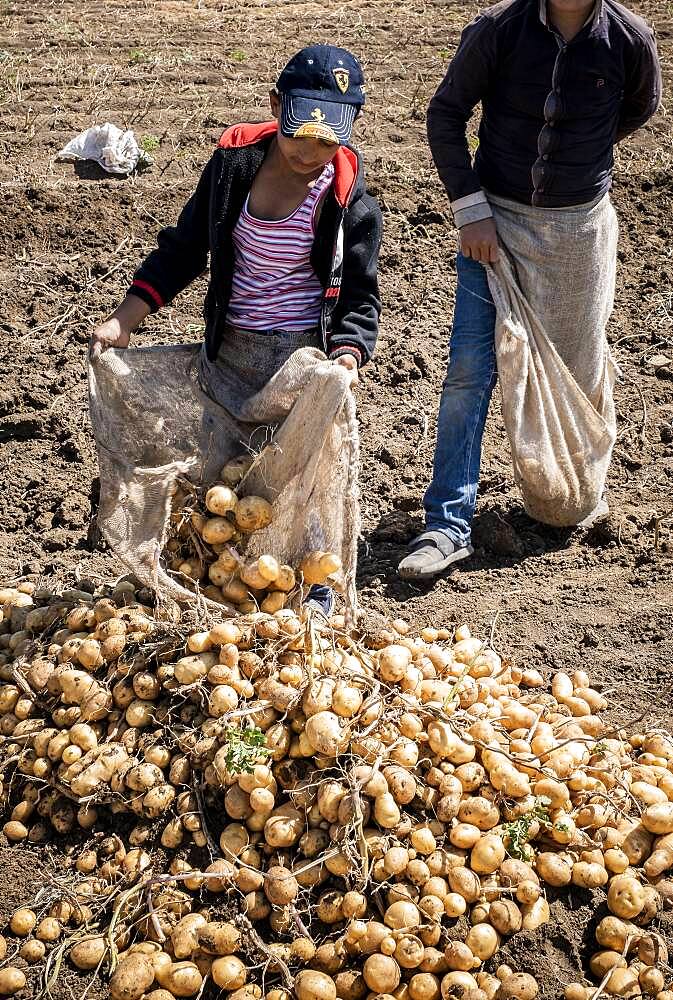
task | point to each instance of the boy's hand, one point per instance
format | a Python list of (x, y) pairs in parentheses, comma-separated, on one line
[(350, 362), (479, 240), (108, 334), (117, 328)]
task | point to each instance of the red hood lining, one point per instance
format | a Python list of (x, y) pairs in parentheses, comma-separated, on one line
[(345, 160)]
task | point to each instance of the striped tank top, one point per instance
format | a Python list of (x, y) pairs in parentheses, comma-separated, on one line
[(274, 285)]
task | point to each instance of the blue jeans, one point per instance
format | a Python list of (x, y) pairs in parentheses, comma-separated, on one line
[(471, 376)]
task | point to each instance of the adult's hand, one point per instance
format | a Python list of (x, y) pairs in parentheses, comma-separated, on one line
[(349, 362), (479, 240)]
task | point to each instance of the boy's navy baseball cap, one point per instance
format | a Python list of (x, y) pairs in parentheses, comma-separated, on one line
[(321, 92)]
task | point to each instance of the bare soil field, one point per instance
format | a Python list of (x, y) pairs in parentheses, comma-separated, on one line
[(178, 72)]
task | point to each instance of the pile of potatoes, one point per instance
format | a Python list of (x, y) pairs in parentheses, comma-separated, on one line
[(319, 813), (206, 547)]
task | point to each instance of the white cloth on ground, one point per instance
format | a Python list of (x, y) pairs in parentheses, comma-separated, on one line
[(115, 151)]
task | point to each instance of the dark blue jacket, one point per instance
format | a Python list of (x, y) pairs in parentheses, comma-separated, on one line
[(551, 110)]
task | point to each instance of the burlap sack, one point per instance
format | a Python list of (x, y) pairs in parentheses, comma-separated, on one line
[(152, 423), (553, 291)]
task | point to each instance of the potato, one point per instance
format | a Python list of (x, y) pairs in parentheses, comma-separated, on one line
[(401, 784), (219, 938), (477, 810), (220, 500), (652, 949), (552, 869), (651, 981), (402, 915), (346, 700), (235, 469), (622, 983), (454, 905), (223, 699), (228, 972), (157, 800), (189, 669), (144, 776), (324, 733), (535, 914), (602, 961), (575, 991), (185, 935), (89, 953), (284, 826), (651, 907), (381, 973), (11, 981), (505, 916), (612, 933), (253, 514), (626, 897), (483, 941), (132, 977), (616, 862), (464, 882), (282, 584), (520, 986), (15, 831), (465, 835), (459, 956), (588, 875), (217, 531), (310, 985), (409, 952), (658, 818), (487, 854), (22, 922), (637, 845), (386, 813), (49, 929), (275, 600), (184, 979), (280, 886), (459, 984), (317, 567), (32, 951)]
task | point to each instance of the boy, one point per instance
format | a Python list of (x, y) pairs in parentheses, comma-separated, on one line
[(293, 238)]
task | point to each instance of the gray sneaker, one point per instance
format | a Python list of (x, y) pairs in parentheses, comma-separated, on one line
[(430, 554)]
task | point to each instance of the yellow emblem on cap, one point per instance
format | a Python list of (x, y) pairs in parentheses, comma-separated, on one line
[(317, 115), (342, 77), (316, 130)]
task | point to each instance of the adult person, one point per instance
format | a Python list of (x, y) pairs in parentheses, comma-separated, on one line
[(560, 83)]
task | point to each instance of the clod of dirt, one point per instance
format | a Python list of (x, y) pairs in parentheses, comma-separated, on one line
[(392, 455), (491, 532), (610, 528), (73, 511), (397, 526)]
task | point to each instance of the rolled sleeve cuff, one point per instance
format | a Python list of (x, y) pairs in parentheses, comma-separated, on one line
[(471, 208), (147, 293)]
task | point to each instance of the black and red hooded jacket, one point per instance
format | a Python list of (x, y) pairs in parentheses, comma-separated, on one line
[(344, 255)]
